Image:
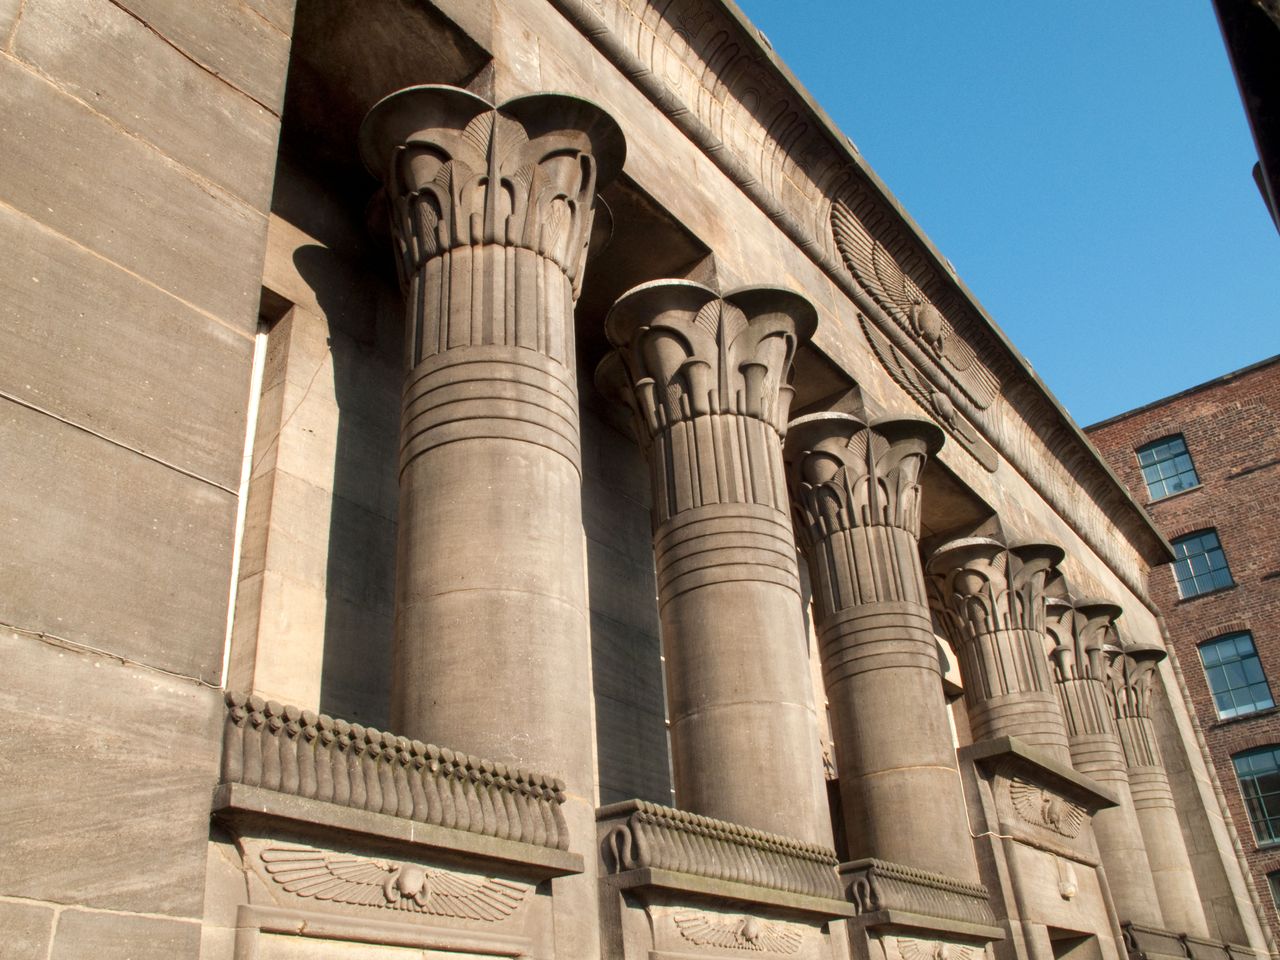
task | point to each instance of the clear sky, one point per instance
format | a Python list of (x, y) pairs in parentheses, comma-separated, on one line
[(1084, 165)]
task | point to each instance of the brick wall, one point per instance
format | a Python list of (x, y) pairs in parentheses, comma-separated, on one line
[(1232, 431)]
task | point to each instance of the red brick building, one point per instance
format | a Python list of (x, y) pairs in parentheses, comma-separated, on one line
[(1206, 462)]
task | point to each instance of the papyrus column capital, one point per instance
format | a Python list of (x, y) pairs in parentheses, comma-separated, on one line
[(989, 599), (461, 172)]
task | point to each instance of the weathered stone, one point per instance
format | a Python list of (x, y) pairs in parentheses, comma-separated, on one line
[(99, 53), (116, 936), (95, 351), (28, 930), (126, 754), (168, 537), (74, 171)]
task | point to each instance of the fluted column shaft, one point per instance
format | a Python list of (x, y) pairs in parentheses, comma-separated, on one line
[(855, 493), (1083, 638), (491, 212), (706, 378), (1131, 679), (990, 601)]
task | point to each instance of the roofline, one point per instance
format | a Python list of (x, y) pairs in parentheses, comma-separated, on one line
[(1216, 381)]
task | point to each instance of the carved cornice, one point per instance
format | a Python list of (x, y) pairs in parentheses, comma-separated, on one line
[(705, 376), (646, 835), (297, 752), (711, 73), (877, 885), (482, 199)]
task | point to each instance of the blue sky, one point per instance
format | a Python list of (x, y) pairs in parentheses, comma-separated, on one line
[(1085, 166)]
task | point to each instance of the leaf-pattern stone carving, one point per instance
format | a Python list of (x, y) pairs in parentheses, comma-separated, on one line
[(388, 884), (738, 933), (1044, 808)]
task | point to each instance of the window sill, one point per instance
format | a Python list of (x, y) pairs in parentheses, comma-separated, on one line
[(1177, 493), (1241, 717), (1208, 593)]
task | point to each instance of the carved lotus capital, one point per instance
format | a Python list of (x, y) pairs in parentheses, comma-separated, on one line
[(979, 585), (459, 171), (845, 473), (684, 351), (1130, 678)]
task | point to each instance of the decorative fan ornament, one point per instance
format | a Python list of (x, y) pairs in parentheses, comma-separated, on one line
[(1045, 808), (738, 933), (362, 881)]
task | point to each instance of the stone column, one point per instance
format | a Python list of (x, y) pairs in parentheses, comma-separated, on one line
[(1083, 637), (990, 601), (856, 495), (706, 376), (1130, 682), (491, 212)]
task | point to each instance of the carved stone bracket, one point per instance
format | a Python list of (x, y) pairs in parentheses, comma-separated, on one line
[(641, 835), (285, 750)]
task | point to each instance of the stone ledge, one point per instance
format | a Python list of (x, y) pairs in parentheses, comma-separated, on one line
[(881, 887), (244, 806), (891, 921), (1148, 943), (720, 891), (1017, 756), (637, 834)]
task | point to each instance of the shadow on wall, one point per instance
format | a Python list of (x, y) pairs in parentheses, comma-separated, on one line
[(365, 330)]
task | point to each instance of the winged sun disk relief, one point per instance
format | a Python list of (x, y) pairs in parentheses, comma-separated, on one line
[(1044, 808), (738, 933), (363, 881), (932, 950)]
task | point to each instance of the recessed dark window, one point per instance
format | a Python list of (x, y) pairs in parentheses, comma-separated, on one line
[(1235, 675), (1167, 467), (1273, 881), (1200, 566), (1259, 774)]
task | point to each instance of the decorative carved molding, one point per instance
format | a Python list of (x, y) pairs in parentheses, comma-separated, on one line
[(906, 948), (293, 751), (1045, 808), (704, 67), (392, 885), (875, 885), (649, 835), (738, 933), (706, 377)]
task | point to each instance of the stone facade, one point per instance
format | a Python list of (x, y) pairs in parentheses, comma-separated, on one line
[(507, 480), (1231, 428)]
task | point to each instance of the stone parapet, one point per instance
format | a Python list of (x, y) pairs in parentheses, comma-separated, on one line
[(1147, 943), (641, 835), (297, 752)]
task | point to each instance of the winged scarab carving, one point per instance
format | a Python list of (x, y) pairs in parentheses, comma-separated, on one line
[(1044, 808), (365, 881), (738, 933), (932, 950)]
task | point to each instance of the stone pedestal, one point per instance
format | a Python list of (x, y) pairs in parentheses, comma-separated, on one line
[(491, 212), (989, 599), (706, 378), (1083, 635), (1131, 679), (856, 495)]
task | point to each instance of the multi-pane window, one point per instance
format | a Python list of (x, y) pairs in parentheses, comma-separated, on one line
[(1167, 467), (1259, 774), (1235, 675), (1200, 566), (1273, 881)]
